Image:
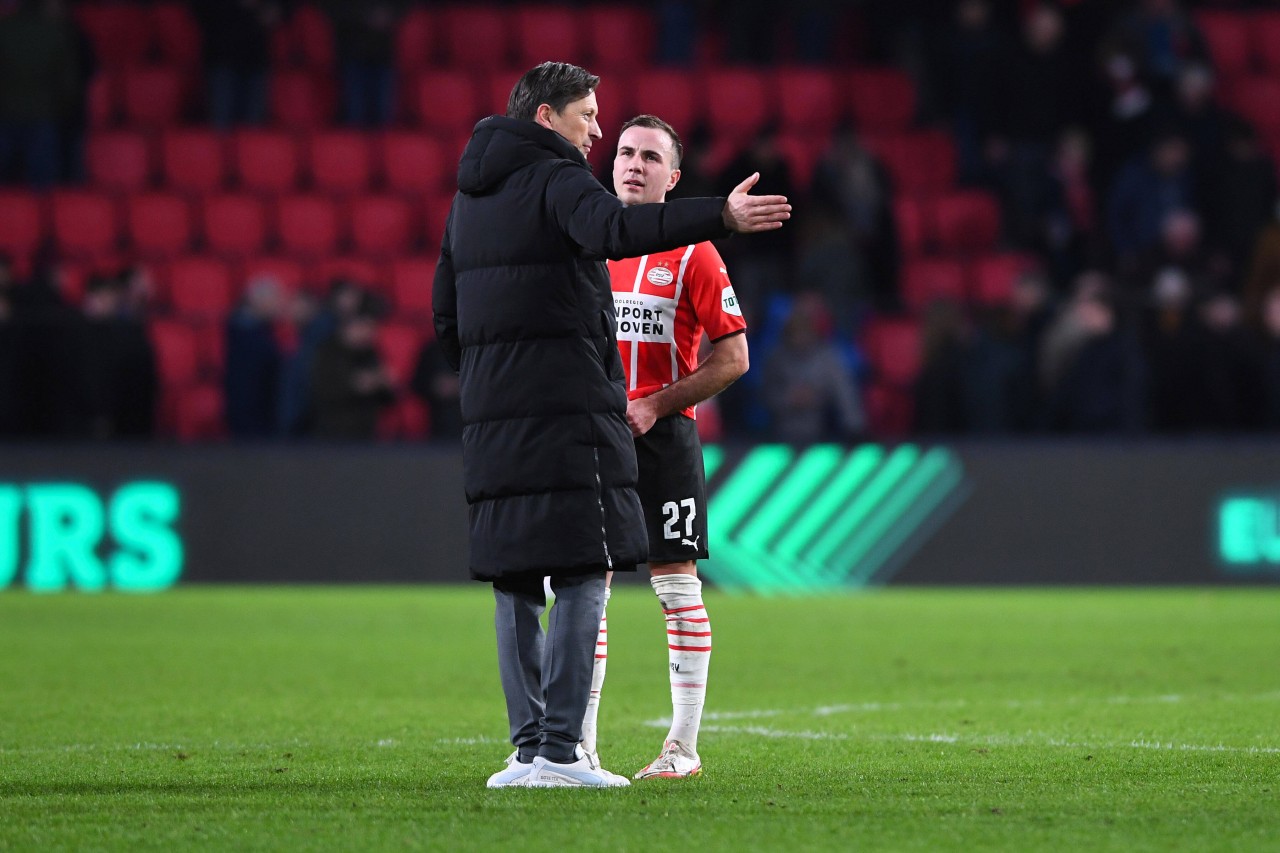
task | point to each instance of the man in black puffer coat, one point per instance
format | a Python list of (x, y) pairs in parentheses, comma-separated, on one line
[(524, 312)]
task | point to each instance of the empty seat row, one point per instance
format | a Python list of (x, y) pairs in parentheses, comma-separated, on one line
[(1241, 42), (336, 161), (599, 36), (958, 222), (987, 279), (732, 99), (160, 224)]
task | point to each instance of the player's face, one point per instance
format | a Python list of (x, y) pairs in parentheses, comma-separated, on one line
[(642, 172), (577, 122)]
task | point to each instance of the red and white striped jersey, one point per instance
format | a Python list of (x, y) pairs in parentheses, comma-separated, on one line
[(664, 303)]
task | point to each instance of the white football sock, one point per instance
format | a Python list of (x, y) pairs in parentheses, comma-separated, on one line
[(597, 680), (688, 651)]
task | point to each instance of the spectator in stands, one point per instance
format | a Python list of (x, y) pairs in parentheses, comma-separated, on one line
[(1240, 194), (1270, 304), (237, 54), (829, 262), (1163, 37), (1038, 101), (39, 91), (1063, 227), (1176, 385), (809, 388), (1146, 191), (52, 387), (364, 34), (1232, 365), (764, 263), (349, 384), (10, 401), (252, 374), (315, 323), (1181, 249), (435, 382), (1099, 390), (1196, 112), (1124, 117), (941, 403), (965, 74), (120, 363), (1263, 272), (850, 183)]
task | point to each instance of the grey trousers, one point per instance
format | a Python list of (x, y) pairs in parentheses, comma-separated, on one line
[(547, 679)]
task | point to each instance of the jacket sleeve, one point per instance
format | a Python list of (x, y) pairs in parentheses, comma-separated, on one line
[(444, 301), (596, 221)]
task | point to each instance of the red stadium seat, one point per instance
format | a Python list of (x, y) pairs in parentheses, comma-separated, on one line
[(993, 276), (305, 40), (738, 101), (808, 100), (919, 162), (881, 100), (398, 344), (340, 161), (118, 160), (1266, 35), (234, 224), (411, 281), (1256, 98), (1228, 38), (474, 36), (153, 96), (915, 227), (197, 413), (308, 225), (22, 223), (120, 33), (968, 221), (447, 100), (543, 32), (893, 348), (84, 223), (495, 91), (414, 163), (802, 151), (301, 99), (288, 273), (102, 99), (364, 272), (670, 93), (415, 41), (265, 160), (381, 225), (200, 287), (193, 160), (926, 280), (158, 224), (617, 38), (177, 34), (408, 418), (177, 352)]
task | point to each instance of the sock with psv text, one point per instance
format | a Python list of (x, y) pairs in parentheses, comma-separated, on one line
[(597, 680), (688, 652)]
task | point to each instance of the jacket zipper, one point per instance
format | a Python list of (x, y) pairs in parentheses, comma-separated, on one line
[(604, 528)]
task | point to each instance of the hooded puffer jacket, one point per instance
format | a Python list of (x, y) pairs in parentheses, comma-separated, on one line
[(524, 312)]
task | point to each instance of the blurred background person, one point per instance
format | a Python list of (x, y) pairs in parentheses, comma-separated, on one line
[(437, 385), (120, 364), (251, 379), (349, 384), (237, 55)]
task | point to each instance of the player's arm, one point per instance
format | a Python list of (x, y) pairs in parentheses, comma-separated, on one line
[(728, 361), (444, 302)]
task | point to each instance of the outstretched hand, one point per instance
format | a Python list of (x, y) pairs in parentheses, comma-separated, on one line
[(747, 214)]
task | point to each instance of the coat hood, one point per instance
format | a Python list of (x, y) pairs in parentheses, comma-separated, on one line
[(501, 145)]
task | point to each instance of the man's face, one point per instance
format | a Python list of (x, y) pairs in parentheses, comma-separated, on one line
[(577, 122), (642, 171)]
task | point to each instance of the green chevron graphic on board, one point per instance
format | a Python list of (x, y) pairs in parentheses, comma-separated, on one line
[(786, 520)]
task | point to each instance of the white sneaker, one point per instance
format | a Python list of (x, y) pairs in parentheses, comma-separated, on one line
[(676, 762), (515, 776), (585, 772)]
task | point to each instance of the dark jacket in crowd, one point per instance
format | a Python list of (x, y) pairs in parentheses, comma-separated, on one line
[(342, 410), (252, 376), (121, 369), (524, 312)]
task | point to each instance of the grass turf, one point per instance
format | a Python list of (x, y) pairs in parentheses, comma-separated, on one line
[(363, 719)]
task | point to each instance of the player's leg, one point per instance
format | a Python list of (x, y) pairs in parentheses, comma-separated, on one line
[(517, 621), (672, 491), (689, 656), (590, 719), (566, 679)]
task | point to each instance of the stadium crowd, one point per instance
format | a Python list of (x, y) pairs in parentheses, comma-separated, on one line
[(1121, 273)]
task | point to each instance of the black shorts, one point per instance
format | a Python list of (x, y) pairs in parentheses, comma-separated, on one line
[(673, 490)]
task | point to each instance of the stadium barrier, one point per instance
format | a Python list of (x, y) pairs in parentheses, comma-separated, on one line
[(782, 520)]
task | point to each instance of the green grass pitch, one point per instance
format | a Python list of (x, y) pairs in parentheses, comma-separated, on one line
[(368, 719)]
